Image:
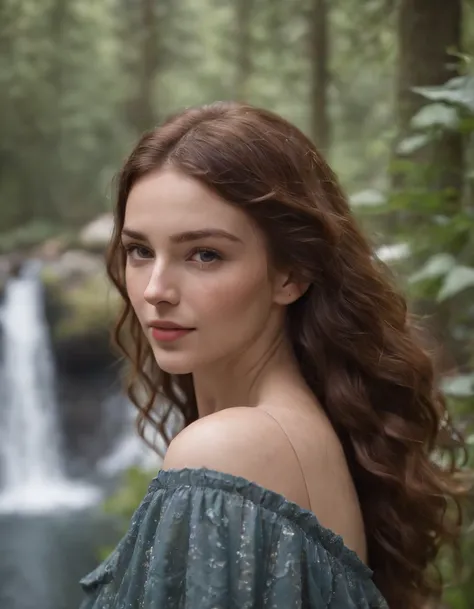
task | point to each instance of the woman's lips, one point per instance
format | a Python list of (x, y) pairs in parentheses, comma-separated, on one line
[(169, 334)]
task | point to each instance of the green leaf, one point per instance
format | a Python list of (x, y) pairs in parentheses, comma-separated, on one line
[(457, 280), (437, 266), (461, 386), (394, 252), (436, 115), (413, 143), (458, 91), (368, 198)]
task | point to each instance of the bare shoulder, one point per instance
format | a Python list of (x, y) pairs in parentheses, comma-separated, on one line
[(242, 442), (261, 445)]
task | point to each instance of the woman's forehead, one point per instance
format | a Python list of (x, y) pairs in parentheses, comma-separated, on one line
[(168, 202)]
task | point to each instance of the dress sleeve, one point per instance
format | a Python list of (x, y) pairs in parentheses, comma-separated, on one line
[(207, 540)]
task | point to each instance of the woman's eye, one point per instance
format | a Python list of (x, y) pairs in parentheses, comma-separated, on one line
[(206, 256), (138, 252)]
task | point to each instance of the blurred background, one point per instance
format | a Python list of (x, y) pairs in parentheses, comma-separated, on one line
[(385, 88)]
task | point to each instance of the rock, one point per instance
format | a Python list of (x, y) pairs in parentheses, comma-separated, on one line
[(81, 307), (89, 429), (97, 234), (10, 266), (4, 273), (73, 266), (51, 250)]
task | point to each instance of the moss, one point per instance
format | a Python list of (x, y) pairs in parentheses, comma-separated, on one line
[(91, 307), (81, 312)]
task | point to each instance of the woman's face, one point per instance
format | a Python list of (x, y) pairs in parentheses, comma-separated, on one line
[(198, 262)]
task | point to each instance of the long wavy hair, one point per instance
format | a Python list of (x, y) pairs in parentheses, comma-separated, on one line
[(357, 347)]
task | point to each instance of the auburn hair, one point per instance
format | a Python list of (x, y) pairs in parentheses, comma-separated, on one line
[(357, 347)]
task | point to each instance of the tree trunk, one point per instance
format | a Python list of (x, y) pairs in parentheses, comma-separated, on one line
[(243, 64), (319, 55), (55, 197), (428, 32), (147, 111), (140, 30)]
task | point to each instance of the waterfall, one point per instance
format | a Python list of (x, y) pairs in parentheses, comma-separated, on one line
[(33, 477), (31, 444), (130, 450)]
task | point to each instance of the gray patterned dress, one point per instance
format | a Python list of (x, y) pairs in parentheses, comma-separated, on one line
[(202, 539)]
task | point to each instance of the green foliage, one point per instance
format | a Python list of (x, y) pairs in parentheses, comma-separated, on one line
[(122, 504), (443, 246), (438, 226), (461, 386), (458, 279), (130, 492), (81, 79), (458, 92), (27, 236), (59, 112)]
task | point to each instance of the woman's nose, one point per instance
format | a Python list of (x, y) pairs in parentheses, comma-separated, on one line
[(161, 288)]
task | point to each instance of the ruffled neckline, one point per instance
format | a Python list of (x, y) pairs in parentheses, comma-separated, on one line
[(270, 500)]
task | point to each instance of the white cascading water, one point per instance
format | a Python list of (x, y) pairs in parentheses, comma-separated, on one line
[(30, 456), (129, 450)]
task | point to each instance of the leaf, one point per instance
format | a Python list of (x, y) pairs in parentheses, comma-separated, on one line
[(458, 91), (461, 386), (413, 143), (437, 266), (368, 198), (390, 253), (436, 115), (458, 279)]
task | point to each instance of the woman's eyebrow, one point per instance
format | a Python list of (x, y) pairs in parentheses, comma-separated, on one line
[(133, 234), (192, 235)]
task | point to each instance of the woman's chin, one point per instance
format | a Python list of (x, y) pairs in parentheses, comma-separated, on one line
[(174, 365)]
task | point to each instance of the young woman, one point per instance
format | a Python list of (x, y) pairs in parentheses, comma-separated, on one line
[(303, 476)]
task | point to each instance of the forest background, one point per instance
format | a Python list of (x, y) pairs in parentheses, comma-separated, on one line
[(385, 88)]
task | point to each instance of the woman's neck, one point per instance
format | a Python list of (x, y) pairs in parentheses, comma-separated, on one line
[(251, 380)]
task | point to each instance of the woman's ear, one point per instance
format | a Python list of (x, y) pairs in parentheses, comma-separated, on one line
[(288, 289)]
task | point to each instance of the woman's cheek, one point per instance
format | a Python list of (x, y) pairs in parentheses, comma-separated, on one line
[(236, 294)]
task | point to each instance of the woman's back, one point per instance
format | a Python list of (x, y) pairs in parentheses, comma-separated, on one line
[(327, 488)]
